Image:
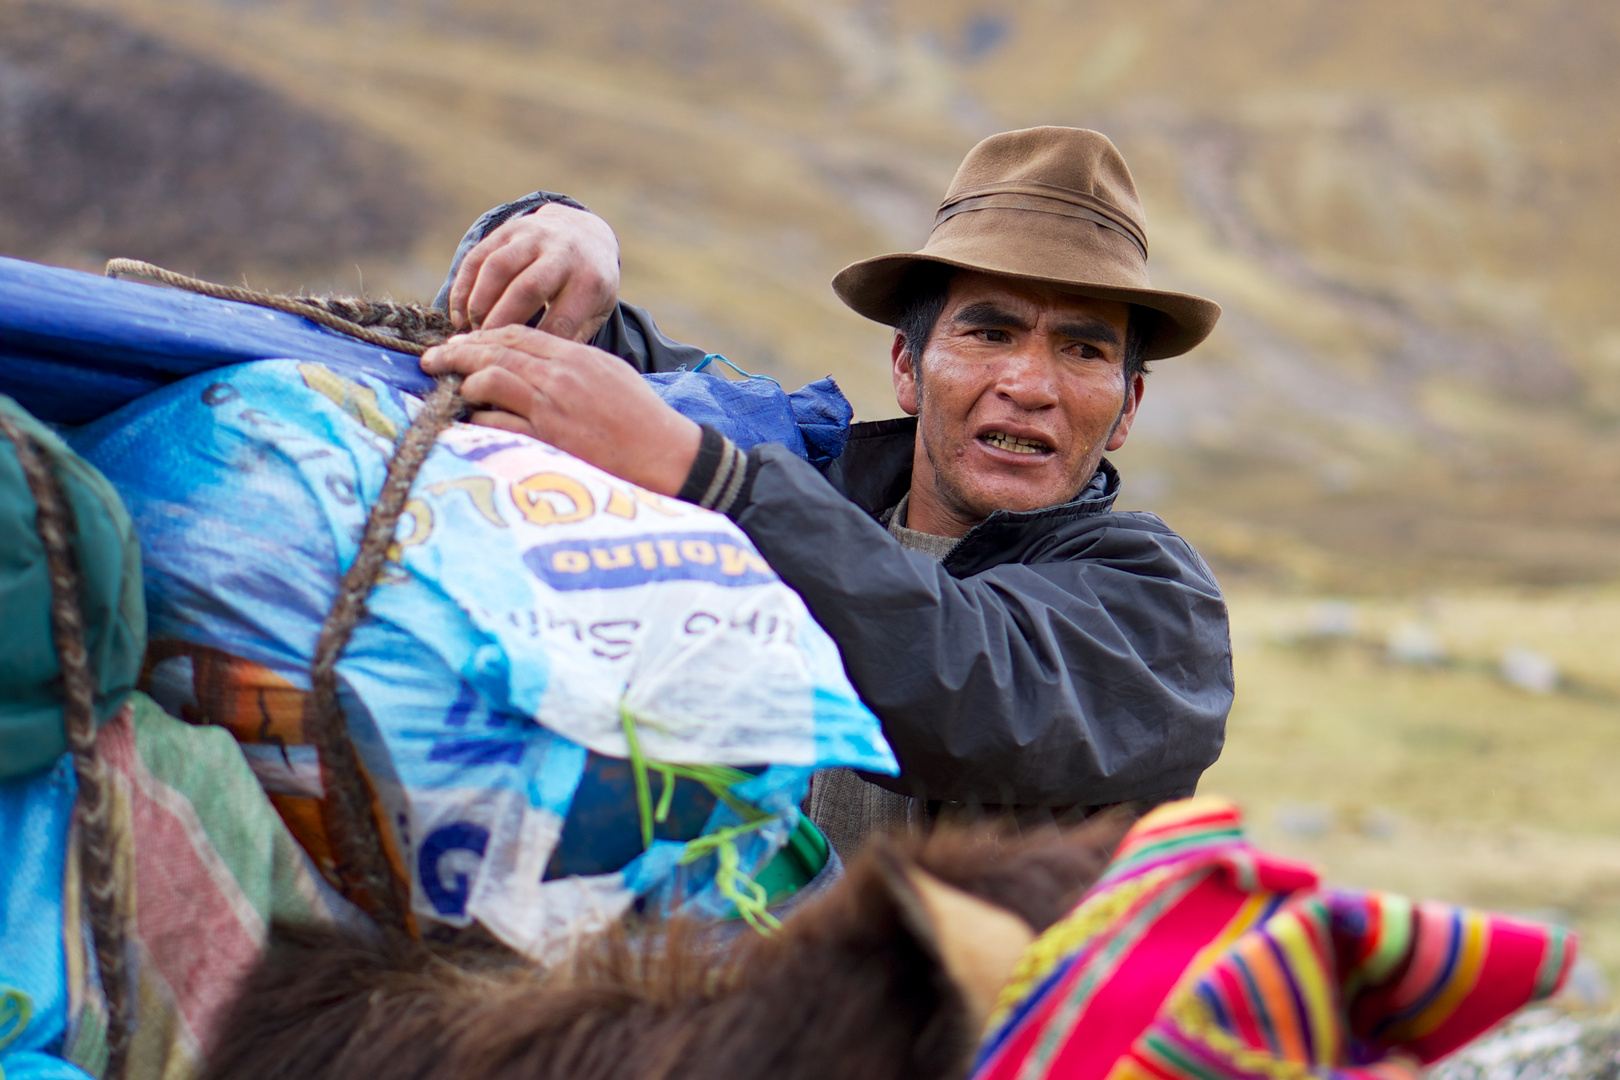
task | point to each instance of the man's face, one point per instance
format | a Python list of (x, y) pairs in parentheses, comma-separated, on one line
[(1022, 388)]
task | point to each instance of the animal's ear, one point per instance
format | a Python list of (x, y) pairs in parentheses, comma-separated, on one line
[(1038, 874), (975, 942)]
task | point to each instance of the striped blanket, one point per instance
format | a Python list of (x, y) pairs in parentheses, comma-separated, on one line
[(1197, 957), (212, 867)]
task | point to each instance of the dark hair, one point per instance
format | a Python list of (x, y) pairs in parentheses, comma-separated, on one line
[(922, 301)]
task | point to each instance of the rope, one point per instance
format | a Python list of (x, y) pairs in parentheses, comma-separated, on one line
[(349, 317), (707, 360), (412, 322), (54, 520), (356, 840)]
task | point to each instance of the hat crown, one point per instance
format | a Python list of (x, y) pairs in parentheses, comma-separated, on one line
[(1073, 165), (1055, 205)]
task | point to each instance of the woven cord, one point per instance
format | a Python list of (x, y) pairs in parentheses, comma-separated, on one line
[(356, 838), (97, 848), (313, 309), (357, 841)]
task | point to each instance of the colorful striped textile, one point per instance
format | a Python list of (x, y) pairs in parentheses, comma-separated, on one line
[(1197, 957), (212, 867)]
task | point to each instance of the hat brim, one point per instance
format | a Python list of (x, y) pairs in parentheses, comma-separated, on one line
[(872, 288)]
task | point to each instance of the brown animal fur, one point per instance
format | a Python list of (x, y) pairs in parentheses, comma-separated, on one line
[(853, 986)]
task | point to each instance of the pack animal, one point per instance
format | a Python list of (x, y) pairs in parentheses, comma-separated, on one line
[(890, 974)]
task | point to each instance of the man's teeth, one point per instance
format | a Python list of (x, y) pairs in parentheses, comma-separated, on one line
[(1016, 444)]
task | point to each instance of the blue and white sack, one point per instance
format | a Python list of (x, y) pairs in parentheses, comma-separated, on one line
[(548, 643)]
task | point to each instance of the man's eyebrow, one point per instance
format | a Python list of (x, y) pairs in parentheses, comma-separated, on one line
[(1093, 330), (988, 313)]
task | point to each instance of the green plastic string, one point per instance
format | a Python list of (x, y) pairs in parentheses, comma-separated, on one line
[(16, 1009), (666, 798), (746, 894), (638, 768)]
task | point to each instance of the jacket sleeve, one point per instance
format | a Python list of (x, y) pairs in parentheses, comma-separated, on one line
[(629, 333), (1101, 673)]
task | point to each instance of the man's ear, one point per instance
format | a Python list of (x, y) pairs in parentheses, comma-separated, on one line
[(1127, 414), (907, 392), (976, 943)]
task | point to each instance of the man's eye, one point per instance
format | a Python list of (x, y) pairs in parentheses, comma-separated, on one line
[(1088, 352), (997, 337)]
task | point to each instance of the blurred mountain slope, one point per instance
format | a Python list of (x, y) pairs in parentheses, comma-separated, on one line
[(1407, 211), (113, 141)]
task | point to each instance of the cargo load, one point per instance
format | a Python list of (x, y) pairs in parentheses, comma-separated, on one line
[(571, 696)]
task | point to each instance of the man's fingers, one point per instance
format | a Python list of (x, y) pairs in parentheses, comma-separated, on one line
[(503, 389), (502, 269), (520, 354), (471, 353), (578, 309), (467, 276), (534, 260), (506, 421), (533, 287)]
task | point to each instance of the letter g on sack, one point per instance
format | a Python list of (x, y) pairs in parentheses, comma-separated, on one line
[(552, 499)]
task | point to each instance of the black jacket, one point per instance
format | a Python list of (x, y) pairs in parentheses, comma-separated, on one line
[(1068, 656), (1071, 656)]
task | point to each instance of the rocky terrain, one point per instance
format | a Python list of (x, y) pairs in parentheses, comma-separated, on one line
[(1542, 1044)]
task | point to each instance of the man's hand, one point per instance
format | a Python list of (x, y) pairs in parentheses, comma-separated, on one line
[(557, 258), (575, 397)]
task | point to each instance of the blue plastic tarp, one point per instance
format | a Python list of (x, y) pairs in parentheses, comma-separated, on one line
[(75, 347)]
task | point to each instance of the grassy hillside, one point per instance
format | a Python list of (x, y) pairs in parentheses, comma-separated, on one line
[(1381, 740), (1408, 214), (114, 141)]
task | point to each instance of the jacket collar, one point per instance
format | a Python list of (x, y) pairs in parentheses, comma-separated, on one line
[(874, 472)]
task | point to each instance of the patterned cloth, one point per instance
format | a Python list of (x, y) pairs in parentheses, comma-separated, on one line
[(1197, 957), (211, 865)]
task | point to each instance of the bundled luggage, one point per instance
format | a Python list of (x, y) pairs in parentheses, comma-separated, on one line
[(548, 646), (570, 696)]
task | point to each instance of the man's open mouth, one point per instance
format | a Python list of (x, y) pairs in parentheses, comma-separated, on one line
[(1017, 445)]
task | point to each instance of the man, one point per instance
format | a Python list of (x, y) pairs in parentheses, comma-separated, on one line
[(1025, 646)]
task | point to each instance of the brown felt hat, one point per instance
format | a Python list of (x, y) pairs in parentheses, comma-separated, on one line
[(1048, 204)]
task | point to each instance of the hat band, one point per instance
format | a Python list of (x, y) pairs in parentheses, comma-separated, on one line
[(1040, 204)]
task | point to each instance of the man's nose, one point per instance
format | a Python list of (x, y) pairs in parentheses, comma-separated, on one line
[(1028, 377)]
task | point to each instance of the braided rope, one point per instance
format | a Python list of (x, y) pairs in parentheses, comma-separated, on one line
[(54, 520), (357, 841), (315, 310), (412, 322)]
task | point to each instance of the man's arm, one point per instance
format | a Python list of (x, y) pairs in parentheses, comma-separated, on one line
[(1101, 677)]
